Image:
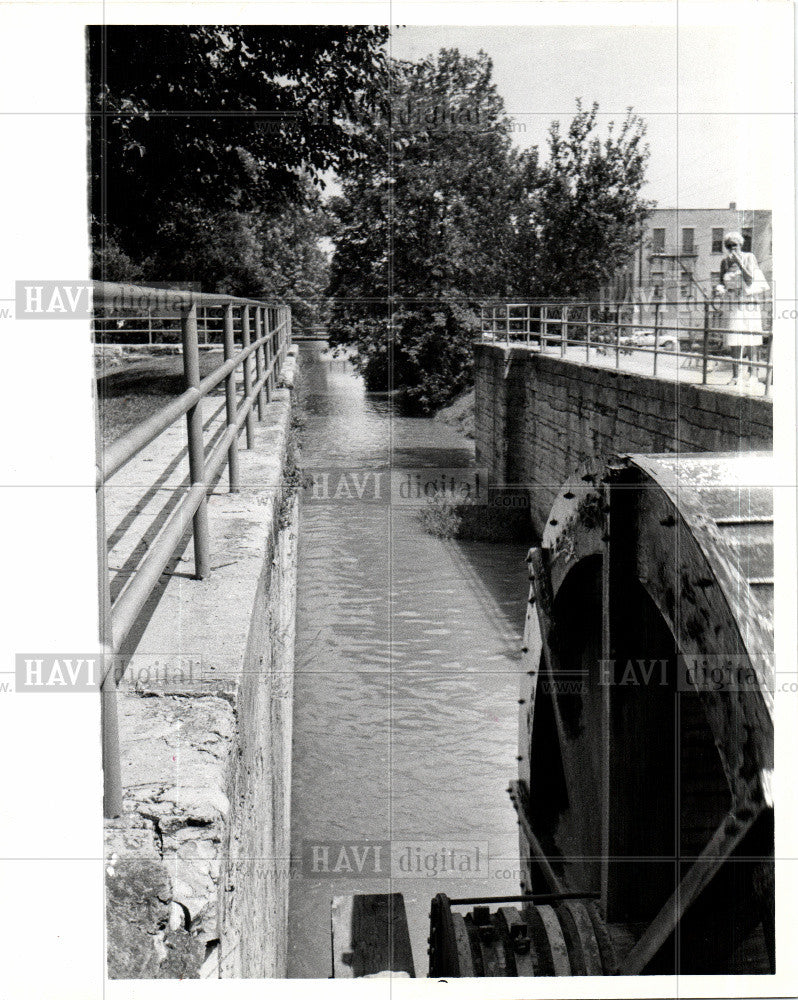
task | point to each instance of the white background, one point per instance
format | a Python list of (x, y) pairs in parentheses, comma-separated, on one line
[(51, 871)]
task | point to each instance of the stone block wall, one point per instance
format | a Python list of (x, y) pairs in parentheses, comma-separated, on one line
[(198, 865), (538, 418)]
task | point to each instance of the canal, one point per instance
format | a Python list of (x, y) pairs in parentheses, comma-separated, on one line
[(406, 682)]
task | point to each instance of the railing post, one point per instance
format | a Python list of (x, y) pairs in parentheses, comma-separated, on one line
[(246, 341), (587, 335), (656, 335), (279, 347), (109, 722), (507, 322), (196, 447), (544, 327), (270, 380), (563, 331), (528, 321), (230, 399), (284, 320), (617, 337), (705, 345), (109, 727), (259, 360), (769, 363), (280, 344)]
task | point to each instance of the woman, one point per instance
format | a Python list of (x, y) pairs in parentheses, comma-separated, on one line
[(741, 283)]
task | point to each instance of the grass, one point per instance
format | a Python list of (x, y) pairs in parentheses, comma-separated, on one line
[(129, 395), (294, 480)]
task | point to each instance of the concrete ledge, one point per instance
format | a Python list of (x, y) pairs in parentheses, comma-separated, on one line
[(197, 729)]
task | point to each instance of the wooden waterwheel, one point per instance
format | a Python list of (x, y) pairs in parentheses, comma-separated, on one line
[(646, 723)]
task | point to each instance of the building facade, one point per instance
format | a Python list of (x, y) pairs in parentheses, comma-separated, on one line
[(680, 254)]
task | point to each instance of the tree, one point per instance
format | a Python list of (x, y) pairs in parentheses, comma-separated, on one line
[(584, 215), (425, 227), (193, 124), (257, 254)]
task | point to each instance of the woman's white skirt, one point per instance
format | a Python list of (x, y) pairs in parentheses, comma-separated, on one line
[(743, 321)]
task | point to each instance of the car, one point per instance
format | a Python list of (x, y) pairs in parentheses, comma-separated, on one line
[(646, 338)]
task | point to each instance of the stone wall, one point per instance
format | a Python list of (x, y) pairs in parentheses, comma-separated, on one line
[(256, 857), (538, 418), (197, 866)]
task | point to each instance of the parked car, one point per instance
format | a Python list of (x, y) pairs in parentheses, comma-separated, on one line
[(668, 341)]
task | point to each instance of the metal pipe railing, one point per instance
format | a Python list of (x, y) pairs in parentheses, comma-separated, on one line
[(196, 444), (259, 365), (270, 346), (245, 338), (605, 325), (230, 399), (126, 447)]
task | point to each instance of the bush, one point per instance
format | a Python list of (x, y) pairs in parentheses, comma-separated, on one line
[(477, 522), (440, 518)]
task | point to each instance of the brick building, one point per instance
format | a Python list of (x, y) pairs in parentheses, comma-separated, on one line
[(682, 248)]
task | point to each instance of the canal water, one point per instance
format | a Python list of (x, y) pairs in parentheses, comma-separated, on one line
[(406, 685)]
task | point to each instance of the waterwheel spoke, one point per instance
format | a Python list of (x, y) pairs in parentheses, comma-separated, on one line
[(726, 838)]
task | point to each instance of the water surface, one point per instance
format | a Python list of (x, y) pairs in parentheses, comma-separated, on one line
[(407, 659)]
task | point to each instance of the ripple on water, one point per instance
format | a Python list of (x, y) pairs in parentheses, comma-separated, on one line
[(407, 657)]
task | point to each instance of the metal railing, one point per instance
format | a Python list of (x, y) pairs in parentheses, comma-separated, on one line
[(158, 329), (270, 323), (627, 328)]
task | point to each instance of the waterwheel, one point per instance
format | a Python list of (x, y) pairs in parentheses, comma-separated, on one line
[(645, 756), (646, 723)]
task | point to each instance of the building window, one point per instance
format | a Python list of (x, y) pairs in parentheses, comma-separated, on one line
[(658, 240), (688, 241), (747, 237), (717, 241), (657, 291)]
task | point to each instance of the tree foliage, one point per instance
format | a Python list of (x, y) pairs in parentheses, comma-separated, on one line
[(202, 135), (584, 216), (446, 213), (425, 226)]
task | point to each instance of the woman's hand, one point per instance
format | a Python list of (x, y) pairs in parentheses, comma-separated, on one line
[(748, 276), (720, 289)]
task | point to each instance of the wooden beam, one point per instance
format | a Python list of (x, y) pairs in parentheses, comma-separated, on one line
[(370, 935), (520, 797)]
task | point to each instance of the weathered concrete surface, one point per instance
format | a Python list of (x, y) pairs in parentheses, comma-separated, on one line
[(539, 417), (205, 720), (256, 868)]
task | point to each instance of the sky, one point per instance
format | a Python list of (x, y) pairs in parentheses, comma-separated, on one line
[(717, 99)]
